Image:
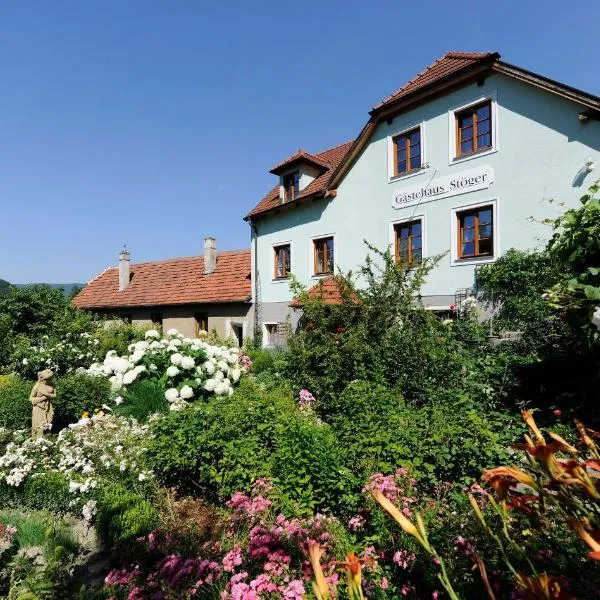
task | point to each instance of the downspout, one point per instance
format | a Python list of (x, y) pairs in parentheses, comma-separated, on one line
[(257, 332)]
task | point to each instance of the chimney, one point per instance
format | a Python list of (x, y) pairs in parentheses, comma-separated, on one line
[(124, 259), (210, 255)]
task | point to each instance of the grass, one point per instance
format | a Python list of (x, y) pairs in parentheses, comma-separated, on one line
[(39, 529), (142, 399)]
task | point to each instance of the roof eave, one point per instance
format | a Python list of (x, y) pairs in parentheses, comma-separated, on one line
[(551, 85), (286, 167), (157, 304), (286, 205)]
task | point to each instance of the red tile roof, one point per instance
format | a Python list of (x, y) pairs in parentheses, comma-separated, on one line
[(300, 156), (331, 157), (170, 282), (447, 65), (327, 290)]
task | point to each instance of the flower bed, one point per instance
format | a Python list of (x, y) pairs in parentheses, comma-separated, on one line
[(186, 368)]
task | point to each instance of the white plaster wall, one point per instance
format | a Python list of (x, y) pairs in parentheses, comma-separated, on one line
[(541, 146)]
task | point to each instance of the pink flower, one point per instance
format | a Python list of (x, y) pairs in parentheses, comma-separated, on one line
[(404, 558), (294, 590), (385, 584), (232, 559), (356, 523)]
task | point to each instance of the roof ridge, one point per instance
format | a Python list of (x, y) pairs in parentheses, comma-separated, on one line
[(100, 274), (180, 258), (452, 54), (411, 81)]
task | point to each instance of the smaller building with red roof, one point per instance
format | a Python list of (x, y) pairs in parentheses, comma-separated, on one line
[(211, 292)]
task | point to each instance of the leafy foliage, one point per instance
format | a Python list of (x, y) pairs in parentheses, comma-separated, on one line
[(122, 515), (76, 394), (575, 246), (15, 407), (515, 284)]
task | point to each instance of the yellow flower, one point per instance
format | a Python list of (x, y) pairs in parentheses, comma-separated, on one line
[(85, 414)]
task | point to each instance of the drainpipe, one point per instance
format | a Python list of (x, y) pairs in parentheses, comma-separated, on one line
[(255, 280)]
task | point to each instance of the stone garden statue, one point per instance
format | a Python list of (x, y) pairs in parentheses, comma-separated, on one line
[(41, 397)]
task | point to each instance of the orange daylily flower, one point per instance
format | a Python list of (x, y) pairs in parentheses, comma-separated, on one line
[(528, 418), (521, 502), (543, 587), (589, 539), (511, 472), (585, 438), (562, 444), (391, 509), (320, 587)]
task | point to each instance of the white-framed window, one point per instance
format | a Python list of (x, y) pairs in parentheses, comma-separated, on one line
[(270, 333), (474, 233), (408, 239), (322, 256), (236, 329), (473, 128), (406, 152), (282, 261)]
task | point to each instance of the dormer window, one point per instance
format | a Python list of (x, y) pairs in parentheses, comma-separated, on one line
[(291, 186)]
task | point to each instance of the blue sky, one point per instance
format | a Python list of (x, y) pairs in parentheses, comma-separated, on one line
[(155, 123)]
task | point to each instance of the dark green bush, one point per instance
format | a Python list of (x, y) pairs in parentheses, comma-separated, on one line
[(15, 407), (308, 466), (514, 284), (143, 398), (10, 496), (450, 439), (118, 335), (122, 516), (221, 446), (48, 491), (76, 394), (262, 360)]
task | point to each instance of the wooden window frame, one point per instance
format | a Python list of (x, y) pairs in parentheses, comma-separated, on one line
[(404, 225), (200, 317), (295, 189), (406, 134), (472, 112), (460, 215), (286, 272), (316, 242)]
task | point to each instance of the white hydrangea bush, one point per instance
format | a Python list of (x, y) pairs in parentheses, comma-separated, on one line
[(98, 448), (74, 351), (186, 368)]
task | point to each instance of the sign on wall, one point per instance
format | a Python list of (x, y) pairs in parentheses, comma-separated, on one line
[(444, 187)]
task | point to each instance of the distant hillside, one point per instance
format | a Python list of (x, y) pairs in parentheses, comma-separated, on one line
[(68, 287)]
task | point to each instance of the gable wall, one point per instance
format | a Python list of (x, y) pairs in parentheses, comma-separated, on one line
[(541, 149)]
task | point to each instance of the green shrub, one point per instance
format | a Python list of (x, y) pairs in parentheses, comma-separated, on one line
[(308, 466), (262, 360), (450, 439), (515, 284), (15, 407), (122, 516), (10, 496), (48, 491), (118, 335), (221, 446), (143, 398), (76, 394)]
